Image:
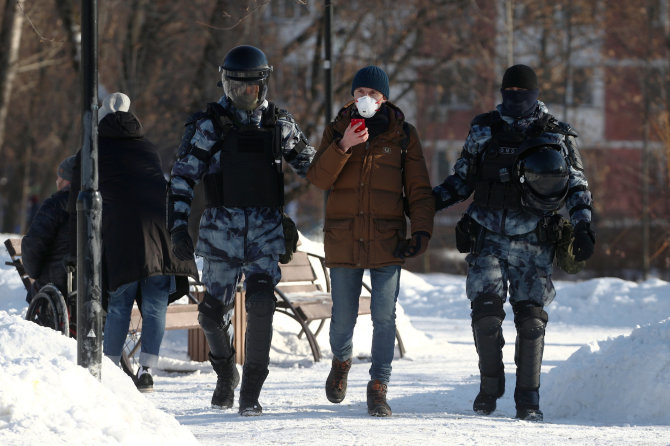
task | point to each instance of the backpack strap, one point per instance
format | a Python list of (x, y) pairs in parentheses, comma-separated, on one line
[(404, 142), (222, 123), (269, 120)]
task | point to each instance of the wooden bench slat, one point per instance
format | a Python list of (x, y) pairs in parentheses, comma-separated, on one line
[(178, 317), (299, 288)]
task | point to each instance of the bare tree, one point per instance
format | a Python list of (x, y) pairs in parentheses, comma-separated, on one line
[(10, 41)]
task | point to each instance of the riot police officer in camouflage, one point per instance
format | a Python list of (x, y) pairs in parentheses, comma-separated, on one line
[(236, 147), (523, 166)]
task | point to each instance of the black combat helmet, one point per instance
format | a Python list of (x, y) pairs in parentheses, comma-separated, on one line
[(244, 76), (543, 175)]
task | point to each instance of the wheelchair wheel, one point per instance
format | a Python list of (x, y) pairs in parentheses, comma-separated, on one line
[(47, 308), (130, 358)]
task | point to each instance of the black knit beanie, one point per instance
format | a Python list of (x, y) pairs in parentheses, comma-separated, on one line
[(371, 77), (66, 167), (520, 76)]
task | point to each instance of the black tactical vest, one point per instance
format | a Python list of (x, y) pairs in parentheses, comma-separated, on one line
[(250, 172), (496, 184)]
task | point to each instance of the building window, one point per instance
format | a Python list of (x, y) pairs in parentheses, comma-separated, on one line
[(582, 86), (579, 87)]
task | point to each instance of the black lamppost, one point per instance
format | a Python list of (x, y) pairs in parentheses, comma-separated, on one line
[(89, 204)]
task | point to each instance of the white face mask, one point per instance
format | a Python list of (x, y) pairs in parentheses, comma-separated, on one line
[(367, 106)]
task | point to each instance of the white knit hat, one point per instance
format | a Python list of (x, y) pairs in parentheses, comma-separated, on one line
[(113, 103)]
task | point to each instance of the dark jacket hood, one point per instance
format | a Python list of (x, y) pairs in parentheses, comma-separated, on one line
[(120, 125)]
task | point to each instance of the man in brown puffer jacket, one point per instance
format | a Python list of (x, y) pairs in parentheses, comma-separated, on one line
[(362, 166)]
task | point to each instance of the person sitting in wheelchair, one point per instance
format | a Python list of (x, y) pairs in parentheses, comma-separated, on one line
[(46, 244)]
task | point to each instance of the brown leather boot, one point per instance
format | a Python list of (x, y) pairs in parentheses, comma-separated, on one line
[(377, 405), (336, 383)]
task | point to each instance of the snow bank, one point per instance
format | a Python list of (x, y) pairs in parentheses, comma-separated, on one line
[(621, 380), (45, 398)]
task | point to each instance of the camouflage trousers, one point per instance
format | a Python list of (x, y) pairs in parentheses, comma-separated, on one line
[(518, 264), (222, 276)]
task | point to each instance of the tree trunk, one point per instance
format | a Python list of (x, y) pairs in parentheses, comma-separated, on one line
[(10, 41)]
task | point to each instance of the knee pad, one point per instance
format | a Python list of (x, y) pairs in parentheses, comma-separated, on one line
[(260, 297), (212, 310), (487, 326), (487, 305), (530, 320)]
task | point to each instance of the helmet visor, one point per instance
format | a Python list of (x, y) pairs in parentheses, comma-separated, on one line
[(548, 184), (247, 94)]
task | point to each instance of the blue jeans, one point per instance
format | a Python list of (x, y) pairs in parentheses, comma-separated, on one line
[(154, 291), (346, 289)]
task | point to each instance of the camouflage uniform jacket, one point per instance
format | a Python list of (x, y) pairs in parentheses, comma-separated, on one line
[(233, 233), (459, 186)]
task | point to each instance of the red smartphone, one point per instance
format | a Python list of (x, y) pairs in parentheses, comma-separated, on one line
[(358, 124)]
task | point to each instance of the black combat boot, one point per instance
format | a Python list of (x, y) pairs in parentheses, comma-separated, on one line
[(227, 379), (490, 389), (487, 318), (252, 382), (336, 383), (530, 320), (377, 405)]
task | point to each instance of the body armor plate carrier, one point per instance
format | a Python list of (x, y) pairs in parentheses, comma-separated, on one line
[(496, 182), (495, 186), (250, 172)]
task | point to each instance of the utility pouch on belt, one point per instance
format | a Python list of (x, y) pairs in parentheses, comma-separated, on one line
[(559, 231), (467, 234), (290, 239)]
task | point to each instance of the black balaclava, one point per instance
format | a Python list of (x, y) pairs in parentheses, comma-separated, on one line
[(519, 103)]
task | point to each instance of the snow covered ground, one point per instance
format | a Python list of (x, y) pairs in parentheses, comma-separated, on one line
[(605, 380)]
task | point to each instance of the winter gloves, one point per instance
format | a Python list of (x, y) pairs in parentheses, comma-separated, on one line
[(413, 247), (182, 245), (582, 246)]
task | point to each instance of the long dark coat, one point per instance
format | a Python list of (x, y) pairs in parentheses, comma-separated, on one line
[(135, 241)]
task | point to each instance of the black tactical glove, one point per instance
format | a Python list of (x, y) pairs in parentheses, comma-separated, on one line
[(182, 245), (413, 247), (585, 240), (441, 204)]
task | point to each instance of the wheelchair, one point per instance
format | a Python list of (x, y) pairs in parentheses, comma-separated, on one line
[(49, 308)]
